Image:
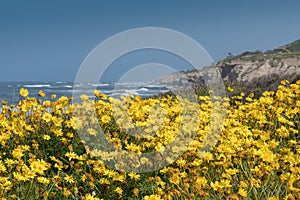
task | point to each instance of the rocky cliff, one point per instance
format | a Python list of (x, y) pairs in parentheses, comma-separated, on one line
[(250, 69)]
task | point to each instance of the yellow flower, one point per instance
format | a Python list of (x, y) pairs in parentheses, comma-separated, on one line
[(91, 197), (84, 97), (66, 192), (18, 176), (92, 131), (243, 184), (24, 92), (216, 186), (70, 135), (10, 162), (17, 153), (264, 129), (118, 177), (181, 162), (152, 197), (255, 182), (59, 165), (226, 183), (174, 179), (26, 147), (230, 89), (69, 179), (2, 167), (266, 155), (201, 181), (134, 176), (4, 102), (47, 117), (119, 190), (39, 166), (242, 192), (47, 137), (35, 146), (41, 93), (43, 180), (104, 181), (83, 177), (97, 93), (136, 192), (105, 119), (71, 155)]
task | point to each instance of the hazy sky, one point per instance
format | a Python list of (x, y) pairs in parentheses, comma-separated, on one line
[(48, 40)]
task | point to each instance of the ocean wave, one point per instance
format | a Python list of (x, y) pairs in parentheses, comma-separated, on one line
[(143, 89), (123, 93), (9, 90), (99, 84), (37, 86)]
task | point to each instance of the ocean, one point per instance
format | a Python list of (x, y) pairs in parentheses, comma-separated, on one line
[(9, 91)]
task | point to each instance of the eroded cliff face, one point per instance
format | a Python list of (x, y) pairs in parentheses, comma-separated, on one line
[(263, 72), (246, 72)]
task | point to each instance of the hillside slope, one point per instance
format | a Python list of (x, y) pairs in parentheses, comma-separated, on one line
[(250, 69)]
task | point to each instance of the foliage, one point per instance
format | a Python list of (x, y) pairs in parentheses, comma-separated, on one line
[(256, 157), (294, 46)]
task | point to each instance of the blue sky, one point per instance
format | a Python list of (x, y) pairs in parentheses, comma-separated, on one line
[(48, 40)]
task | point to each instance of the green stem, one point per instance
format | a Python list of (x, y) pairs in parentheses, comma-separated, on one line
[(29, 189)]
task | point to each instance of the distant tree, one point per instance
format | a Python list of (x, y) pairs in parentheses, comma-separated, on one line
[(269, 51)]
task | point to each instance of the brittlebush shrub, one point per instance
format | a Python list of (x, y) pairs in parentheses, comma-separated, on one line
[(44, 154)]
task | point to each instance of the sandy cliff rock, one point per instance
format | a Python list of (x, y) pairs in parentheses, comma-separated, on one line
[(251, 69)]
